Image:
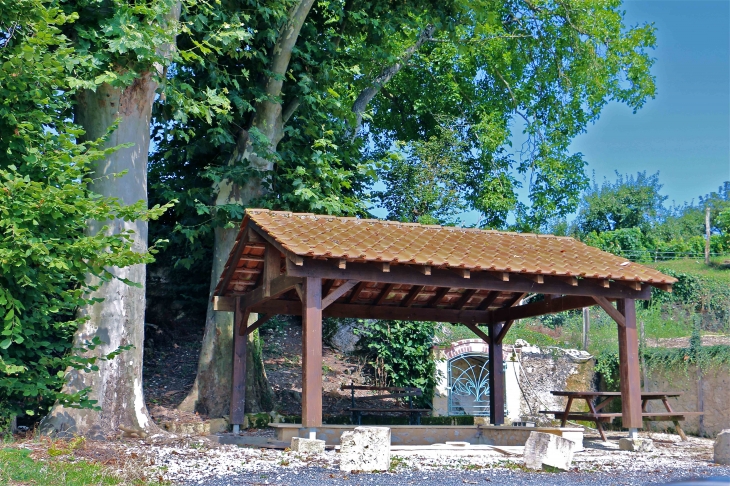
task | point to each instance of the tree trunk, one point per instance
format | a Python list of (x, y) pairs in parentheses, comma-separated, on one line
[(119, 319), (211, 391)]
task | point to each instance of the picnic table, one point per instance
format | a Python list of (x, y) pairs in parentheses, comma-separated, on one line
[(597, 416)]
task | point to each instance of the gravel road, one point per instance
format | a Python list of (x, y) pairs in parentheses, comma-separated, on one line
[(319, 476)]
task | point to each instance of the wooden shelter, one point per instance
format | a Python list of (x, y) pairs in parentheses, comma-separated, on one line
[(321, 266)]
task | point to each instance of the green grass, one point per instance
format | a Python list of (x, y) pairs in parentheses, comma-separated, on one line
[(16, 466), (717, 267)]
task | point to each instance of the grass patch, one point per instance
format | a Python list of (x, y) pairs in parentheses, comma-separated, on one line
[(16, 466), (716, 268)]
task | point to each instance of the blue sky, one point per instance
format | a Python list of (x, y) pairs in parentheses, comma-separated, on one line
[(684, 133)]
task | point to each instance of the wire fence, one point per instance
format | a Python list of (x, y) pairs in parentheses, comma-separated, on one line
[(657, 256)]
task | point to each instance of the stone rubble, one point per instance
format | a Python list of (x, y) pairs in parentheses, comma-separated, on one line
[(636, 445), (543, 449), (307, 446), (365, 449), (722, 448), (198, 461)]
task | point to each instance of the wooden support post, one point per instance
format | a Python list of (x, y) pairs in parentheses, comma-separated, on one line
[(238, 373), (496, 377), (629, 372), (586, 327), (312, 352)]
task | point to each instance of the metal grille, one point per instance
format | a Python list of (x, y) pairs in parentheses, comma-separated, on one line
[(469, 385)]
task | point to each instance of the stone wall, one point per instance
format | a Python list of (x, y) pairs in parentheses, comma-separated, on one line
[(709, 392)]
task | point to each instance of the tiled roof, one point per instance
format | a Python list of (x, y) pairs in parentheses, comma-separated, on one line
[(310, 235)]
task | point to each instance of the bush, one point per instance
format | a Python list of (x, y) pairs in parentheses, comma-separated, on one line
[(401, 353)]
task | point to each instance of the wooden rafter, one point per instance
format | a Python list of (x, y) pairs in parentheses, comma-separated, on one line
[(464, 299), (549, 306), (488, 300), (338, 292), (327, 286), (384, 293), (355, 293), (611, 310), (412, 295), (440, 294)]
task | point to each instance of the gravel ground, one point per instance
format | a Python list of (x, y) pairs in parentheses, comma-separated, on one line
[(202, 463)]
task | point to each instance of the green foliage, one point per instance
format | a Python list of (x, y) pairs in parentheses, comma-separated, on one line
[(45, 205), (707, 293), (629, 203), (403, 350)]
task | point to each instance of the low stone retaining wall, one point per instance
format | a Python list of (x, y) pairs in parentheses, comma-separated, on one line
[(438, 434)]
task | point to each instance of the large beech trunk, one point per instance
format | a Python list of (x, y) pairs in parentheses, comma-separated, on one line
[(119, 319)]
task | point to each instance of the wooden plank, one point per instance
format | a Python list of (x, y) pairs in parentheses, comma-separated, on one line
[(277, 287), (381, 388), (232, 262), (611, 310), (504, 331), (363, 311), (436, 299), (338, 292), (426, 269), (238, 368), (629, 372), (496, 377), (412, 295), (550, 306), (358, 288), (272, 268), (632, 284), (464, 299), (488, 300), (263, 319), (475, 329), (312, 353), (384, 294), (407, 274), (224, 304)]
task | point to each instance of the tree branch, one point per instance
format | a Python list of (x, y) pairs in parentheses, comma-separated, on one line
[(366, 95)]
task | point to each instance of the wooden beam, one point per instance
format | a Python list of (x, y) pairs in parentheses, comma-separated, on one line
[(312, 353), (299, 291), (386, 267), (342, 264), (572, 281), (384, 293), (538, 279), (504, 276), (440, 294), (338, 292), (232, 262), (406, 274), (611, 310), (464, 299), (550, 306), (605, 284), (464, 272), (364, 311), (277, 286), (632, 284), (356, 292), (412, 295), (503, 332), (478, 332), (515, 300), (224, 304), (488, 300), (238, 368), (263, 319), (664, 287), (296, 259), (327, 286), (629, 370), (496, 377), (272, 268), (426, 269)]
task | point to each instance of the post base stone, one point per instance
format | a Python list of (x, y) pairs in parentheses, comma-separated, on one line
[(636, 445), (722, 447), (365, 449), (543, 449), (307, 446)]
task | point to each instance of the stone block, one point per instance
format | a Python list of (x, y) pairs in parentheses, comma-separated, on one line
[(636, 445), (218, 425), (543, 449), (722, 447), (307, 446), (365, 449)]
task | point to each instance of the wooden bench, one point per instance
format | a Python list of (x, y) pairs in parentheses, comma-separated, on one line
[(598, 417), (391, 392)]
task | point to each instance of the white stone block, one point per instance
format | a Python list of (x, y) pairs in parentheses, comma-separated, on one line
[(307, 446), (722, 447), (365, 449), (543, 449), (636, 445)]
